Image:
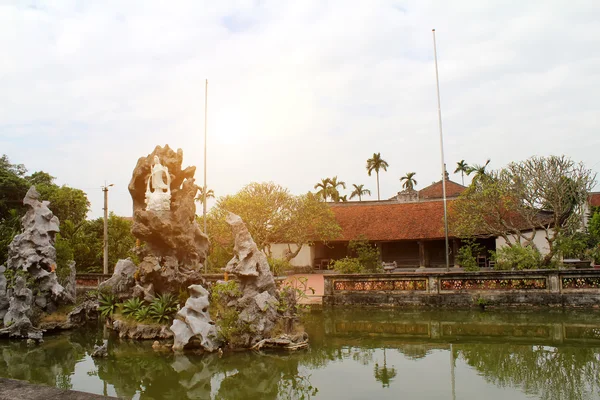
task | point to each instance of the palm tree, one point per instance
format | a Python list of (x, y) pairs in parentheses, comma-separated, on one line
[(323, 187), (463, 168), (375, 164), (359, 191), (479, 170), (334, 185), (209, 194), (409, 181)]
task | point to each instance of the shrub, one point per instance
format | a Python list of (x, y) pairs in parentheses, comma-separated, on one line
[(132, 306), (467, 255), (368, 254), (162, 308), (575, 245), (279, 265), (517, 257), (348, 265), (107, 304), (142, 314)]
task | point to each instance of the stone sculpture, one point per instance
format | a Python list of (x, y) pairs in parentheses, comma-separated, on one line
[(158, 192), (193, 321), (174, 248), (258, 304), (16, 320), (32, 254)]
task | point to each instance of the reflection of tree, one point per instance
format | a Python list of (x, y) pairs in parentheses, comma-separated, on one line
[(551, 373), (415, 351), (384, 374)]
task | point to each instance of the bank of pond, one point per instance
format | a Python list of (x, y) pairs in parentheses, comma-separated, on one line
[(354, 353)]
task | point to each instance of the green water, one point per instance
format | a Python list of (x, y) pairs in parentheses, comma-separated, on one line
[(354, 354)]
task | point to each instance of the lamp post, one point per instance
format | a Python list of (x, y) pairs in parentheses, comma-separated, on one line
[(105, 244), (437, 80), (204, 191)]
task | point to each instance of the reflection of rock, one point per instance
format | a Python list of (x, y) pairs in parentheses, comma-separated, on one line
[(122, 281), (193, 321), (33, 253), (258, 304)]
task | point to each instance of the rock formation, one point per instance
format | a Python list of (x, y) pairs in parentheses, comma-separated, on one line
[(175, 247), (16, 320), (193, 322), (122, 282), (32, 261), (258, 304)]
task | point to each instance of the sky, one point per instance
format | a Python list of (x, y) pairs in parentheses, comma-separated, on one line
[(297, 90)]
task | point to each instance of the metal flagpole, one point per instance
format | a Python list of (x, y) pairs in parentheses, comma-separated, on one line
[(437, 80), (204, 191)]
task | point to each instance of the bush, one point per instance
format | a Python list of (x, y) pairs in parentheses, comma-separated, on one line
[(279, 265), (575, 245), (162, 308), (517, 257), (348, 265), (368, 254), (107, 304), (132, 306), (142, 314), (467, 255)]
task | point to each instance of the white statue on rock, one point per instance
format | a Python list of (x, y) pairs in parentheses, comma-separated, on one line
[(158, 189)]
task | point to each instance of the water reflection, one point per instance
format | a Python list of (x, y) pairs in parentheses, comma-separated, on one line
[(354, 354)]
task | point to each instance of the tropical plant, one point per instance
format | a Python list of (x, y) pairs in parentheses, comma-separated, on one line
[(142, 314), (463, 168), (478, 170), (467, 254), (210, 194), (347, 265), (162, 308), (367, 254), (409, 181), (376, 163), (132, 306), (324, 188), (359, 191), (107, 304)]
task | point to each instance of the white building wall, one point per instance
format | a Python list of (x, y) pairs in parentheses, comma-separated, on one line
[(305, 257), (539, 240)]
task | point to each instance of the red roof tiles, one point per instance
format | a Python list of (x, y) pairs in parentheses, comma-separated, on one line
[(434, 191), (391, 221), (594, 199)]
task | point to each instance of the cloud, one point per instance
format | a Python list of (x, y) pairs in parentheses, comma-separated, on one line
[(298, 91)]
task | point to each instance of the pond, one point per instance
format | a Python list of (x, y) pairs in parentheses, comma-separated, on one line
[(354, 354)]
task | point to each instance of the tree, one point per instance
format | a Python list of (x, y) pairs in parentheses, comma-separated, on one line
[(324, 188), (210, 194), (409, 181), (13, 187), (376, 163), (463, 168), (478, 170), (541, 193), (359, 191), (273, 215), (334, 192)]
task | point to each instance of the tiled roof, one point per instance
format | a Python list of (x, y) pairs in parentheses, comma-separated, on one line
[(434, 191), (391, 221), (594, 199)]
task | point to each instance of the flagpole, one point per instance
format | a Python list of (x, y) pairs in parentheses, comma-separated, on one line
[(437, 80), (204, 191)]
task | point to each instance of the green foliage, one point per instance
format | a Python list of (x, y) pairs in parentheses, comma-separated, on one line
[(163, 308), (574, 245), (107, 304), (132, 306), (225, 291), (368, 254), (64, 255), (348, 265), (279, 265), (467, 254), (594, 226), (517, 257), (142, 314), (226, 318)]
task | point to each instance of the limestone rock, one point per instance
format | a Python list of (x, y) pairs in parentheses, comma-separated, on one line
[(140, 331), (33, 253), (174, 232), (16, 320), (248, 262), (122, 282), (193, 321), (166, 274), (100, 351)]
